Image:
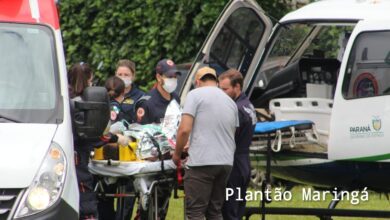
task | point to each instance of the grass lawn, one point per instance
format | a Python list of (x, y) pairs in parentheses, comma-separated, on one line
[(375, 202)]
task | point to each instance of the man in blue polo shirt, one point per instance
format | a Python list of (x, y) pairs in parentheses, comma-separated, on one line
[(152, 108), (231, 83)]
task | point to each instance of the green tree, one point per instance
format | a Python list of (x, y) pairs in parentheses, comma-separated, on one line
[(101, 32)]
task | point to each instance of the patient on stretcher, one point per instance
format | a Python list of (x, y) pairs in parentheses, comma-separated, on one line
[(150, 142)]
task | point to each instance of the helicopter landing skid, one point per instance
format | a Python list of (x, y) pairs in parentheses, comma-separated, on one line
[(321, 213)]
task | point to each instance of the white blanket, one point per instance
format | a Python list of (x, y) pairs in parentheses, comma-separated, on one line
[(121, 168)]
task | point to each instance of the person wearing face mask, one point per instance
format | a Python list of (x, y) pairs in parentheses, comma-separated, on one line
[(125, 69), (152, 107), (80, 77), (116, 91)]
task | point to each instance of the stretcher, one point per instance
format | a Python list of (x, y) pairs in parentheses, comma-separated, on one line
[(114, 168), (153, 183), (285, 135), (274, 135)]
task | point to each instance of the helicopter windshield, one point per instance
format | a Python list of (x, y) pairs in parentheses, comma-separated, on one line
[(303, 40)]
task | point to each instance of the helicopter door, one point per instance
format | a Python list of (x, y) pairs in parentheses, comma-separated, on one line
[(361, 112), (236, 40)]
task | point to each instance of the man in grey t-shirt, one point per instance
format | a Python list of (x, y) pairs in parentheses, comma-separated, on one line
[(211, 117)]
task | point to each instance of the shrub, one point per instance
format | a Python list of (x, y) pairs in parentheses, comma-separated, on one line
[(101, 32)]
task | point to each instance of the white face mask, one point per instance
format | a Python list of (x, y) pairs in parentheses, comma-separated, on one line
[(127, 81), (170, 84)]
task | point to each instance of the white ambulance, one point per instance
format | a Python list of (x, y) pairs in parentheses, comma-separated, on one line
[(37, 174)]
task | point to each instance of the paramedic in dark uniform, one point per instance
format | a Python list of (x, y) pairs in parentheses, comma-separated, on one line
[(231, 83), (80, 77), (151, 108), (125, 69), (116, 90)]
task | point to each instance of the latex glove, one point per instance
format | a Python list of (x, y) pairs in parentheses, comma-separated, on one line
[(117, 127), (123, 140)]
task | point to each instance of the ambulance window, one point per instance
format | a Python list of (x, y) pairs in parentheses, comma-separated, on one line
[(28, 74), (368, 69), (237, 41)]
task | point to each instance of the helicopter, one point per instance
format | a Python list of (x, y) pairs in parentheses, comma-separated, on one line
[(327, 65)]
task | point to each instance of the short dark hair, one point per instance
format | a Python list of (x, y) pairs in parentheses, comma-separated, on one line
[(115, 87), (234, 75)]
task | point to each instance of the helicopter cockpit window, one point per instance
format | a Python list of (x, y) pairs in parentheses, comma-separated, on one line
[(304, 40), (368, 68), (329, 42), (286, 43), (237, 41)]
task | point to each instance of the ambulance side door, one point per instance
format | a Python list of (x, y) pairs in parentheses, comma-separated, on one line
[(236, 40)]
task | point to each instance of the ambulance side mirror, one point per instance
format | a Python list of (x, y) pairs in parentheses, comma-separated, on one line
[(91, 114)]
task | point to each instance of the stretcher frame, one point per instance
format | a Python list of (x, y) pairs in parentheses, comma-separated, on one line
[(269, 131), (146, 176)]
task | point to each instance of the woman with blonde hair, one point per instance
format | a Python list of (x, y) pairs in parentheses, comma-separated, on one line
[(125, 69)]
